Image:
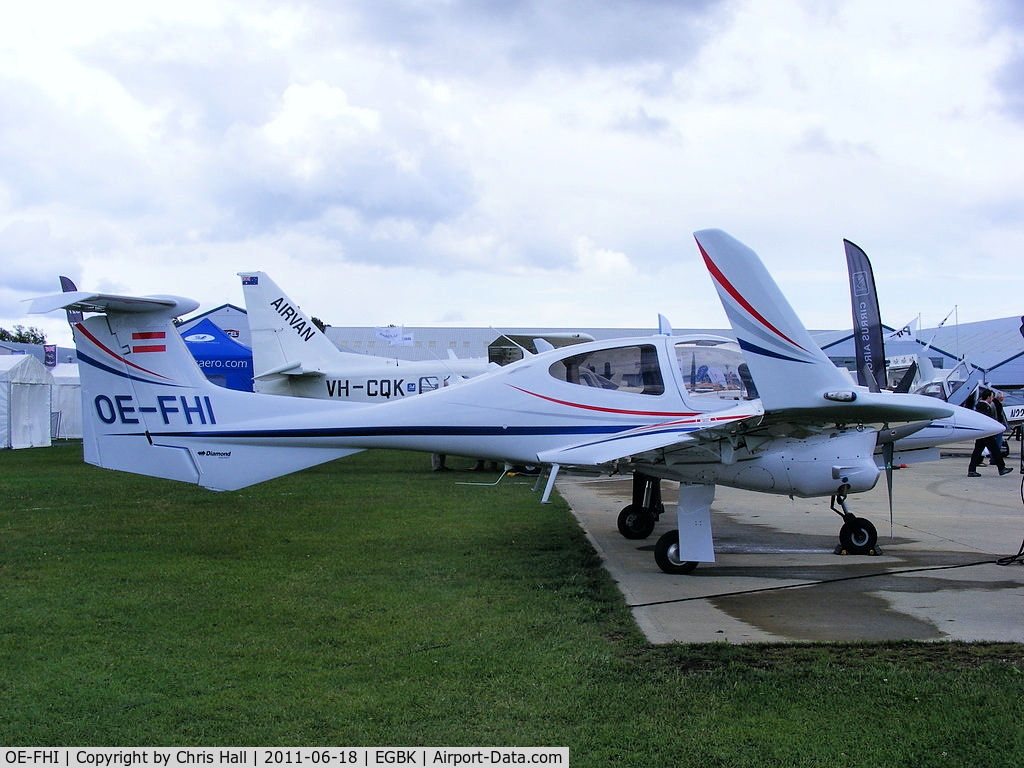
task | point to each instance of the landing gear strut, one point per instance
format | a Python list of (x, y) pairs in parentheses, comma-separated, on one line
[(638, 518), (857, 536)]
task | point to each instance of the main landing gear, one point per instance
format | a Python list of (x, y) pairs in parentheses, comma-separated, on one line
[(638, 518), (857, 536), (677, 551), (666, 555)]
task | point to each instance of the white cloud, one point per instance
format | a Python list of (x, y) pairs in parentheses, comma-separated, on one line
[(544, 160), (601, 262)]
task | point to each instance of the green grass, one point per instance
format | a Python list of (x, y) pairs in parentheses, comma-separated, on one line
[(371, 601)]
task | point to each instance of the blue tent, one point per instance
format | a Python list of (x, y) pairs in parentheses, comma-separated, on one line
[(224, 361)]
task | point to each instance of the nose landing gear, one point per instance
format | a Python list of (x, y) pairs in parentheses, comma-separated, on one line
[(857, 536)]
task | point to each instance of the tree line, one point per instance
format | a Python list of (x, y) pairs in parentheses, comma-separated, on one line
[(23, 335)]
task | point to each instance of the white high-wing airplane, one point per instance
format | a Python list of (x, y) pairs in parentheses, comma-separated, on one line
[(668, 407), (291, 356)]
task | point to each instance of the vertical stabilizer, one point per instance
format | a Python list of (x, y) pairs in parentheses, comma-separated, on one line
[(284, 338), (148, 409)]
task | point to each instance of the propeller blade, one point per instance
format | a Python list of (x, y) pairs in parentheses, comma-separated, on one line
[(887, 453), (889, 435), (868, 380)]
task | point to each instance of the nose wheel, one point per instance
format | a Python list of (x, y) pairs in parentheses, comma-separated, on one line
[(857, 536)]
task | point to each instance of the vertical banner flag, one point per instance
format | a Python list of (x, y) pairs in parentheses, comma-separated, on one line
[(867, 322)]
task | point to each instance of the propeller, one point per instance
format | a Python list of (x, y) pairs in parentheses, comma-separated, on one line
[(868, 379), (887, 437), (887, 454)]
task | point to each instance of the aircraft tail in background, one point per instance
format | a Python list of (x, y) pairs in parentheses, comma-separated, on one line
[(284, 339)]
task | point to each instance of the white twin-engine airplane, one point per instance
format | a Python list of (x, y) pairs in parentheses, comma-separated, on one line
[(291, 356), (676, 408)]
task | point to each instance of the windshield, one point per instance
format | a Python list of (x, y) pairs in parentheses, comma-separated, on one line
[(714, 370)]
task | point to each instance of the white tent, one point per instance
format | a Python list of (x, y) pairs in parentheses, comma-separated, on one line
[(25, 387), (66, 402)]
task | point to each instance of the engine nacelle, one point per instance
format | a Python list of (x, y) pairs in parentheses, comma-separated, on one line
[(817, 466)]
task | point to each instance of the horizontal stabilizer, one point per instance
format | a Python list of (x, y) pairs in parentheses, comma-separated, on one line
[(83, 301), (293, 368)]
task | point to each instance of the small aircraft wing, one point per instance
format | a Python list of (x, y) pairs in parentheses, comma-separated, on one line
[(683, 433), (795, 380)]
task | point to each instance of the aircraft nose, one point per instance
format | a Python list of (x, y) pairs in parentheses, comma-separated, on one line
[(978, 423)]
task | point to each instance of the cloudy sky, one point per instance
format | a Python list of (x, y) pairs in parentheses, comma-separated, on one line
[(503, 163)]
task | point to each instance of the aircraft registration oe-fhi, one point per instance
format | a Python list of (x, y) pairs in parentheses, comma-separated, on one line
[(291, 356), (676, 408)]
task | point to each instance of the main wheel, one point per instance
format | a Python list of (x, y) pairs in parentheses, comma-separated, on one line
[(666, 555), (636, 523), (858, 536)]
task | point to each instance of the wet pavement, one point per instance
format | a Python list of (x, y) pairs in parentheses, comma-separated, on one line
[(777, 577)]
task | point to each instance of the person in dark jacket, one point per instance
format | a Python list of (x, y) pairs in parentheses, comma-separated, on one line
[(997, 406), (992, 443)]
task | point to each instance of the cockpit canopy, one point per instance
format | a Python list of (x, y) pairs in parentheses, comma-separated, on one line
[(709, 369), (634, 368)]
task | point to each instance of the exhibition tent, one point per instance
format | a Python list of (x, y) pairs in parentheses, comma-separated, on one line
[(223, 360), (66, 402), (25, 387)]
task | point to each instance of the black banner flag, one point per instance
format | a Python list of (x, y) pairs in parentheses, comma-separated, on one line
[(867, 321)]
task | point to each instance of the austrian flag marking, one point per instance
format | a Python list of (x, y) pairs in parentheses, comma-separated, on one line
[(148, 336)]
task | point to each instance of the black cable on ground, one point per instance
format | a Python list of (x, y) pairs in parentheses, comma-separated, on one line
[(1019, 557), (781, 587), (1008, 560)]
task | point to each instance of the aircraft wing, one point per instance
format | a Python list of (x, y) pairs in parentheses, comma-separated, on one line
[(795, 380), (682, 433), (695, 434)]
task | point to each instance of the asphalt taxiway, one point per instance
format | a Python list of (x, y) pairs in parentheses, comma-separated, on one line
[(777, 578)]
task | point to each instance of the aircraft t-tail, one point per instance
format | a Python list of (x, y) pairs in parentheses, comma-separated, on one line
[(772, 414), (293, 357)]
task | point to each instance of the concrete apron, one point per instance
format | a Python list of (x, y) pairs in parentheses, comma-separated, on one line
[(776, 577)]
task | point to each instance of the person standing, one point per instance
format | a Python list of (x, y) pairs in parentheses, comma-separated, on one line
[(992, 443), (997, 406)]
